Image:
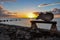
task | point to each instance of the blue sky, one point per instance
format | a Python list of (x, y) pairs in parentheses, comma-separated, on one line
[(30, 5)]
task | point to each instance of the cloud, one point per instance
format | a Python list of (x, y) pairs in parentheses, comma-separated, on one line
[(1, 11), (5, 13), (9, 14), (55, 11), (44, 5), (7, 0), (2, 1)]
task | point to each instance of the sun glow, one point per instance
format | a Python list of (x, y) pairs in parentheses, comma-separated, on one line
[(31, 15), (25, 15)]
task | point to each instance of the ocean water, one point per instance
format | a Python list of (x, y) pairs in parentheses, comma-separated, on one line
[(27, 23), (58, 23)]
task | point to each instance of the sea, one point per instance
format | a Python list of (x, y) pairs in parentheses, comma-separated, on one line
[(26, 22)]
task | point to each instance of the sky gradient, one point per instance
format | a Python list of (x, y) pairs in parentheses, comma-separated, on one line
[(30, 5)]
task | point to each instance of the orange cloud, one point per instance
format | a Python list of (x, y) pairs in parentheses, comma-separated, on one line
[(57, 16), (5, 13)]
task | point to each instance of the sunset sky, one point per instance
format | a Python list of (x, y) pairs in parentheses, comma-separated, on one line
[(24, 9), (27, 6), (30, 5)]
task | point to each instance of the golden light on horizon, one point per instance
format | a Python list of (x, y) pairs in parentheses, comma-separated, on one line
[(25, 15), (31, 15)]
